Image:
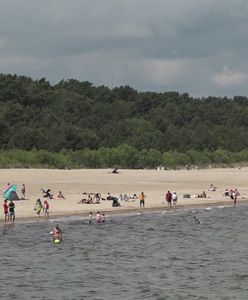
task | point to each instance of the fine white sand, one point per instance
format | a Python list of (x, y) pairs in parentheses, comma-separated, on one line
[(153, 183)]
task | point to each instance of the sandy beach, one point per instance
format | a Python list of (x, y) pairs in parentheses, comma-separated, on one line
[(73, 183)]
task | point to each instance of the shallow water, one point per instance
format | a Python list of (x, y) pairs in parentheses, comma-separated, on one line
[(150, 256)]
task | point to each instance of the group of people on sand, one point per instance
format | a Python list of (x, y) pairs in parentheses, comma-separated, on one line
[(9, 211), (233, 194), (47, 194), (39, 207), (171, 199)]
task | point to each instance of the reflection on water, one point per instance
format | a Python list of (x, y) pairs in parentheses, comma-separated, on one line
[(148, 256)]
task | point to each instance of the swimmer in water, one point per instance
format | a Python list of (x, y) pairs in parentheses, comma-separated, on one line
[(57, 233), (98, 217), (196, 220)]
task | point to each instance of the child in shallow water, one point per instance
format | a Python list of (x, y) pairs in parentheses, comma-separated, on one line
[(90, 218), (98, 217)]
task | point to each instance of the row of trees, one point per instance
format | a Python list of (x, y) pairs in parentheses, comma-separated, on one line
[(124, 156), (73, 116)]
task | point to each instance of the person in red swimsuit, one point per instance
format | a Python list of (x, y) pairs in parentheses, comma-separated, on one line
[(6, 210)]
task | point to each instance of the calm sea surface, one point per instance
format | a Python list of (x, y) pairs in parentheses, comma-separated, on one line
[(150, 256)]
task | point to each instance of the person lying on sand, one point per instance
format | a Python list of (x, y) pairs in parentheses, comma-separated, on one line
[(87, 200), (202, 195)]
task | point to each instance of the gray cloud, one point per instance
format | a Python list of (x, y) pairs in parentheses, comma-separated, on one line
[(191, 46)]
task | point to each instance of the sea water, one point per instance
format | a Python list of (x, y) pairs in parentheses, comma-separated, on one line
[(161, 255)]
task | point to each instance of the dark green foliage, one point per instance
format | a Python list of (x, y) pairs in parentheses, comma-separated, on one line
[(100, 127)]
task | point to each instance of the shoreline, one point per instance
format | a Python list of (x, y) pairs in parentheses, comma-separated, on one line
[(75, 184), (126, 211)]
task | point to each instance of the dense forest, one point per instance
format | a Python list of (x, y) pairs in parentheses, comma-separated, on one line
[(102, 126)]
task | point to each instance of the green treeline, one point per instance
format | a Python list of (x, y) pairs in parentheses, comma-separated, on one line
[(75, 124), (123, 156)]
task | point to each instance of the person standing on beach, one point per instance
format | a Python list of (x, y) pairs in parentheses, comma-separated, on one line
[(12, 211), (168, 198), (46, 208), (38, 207), (174, 198), (142, 197), (6, 210), (235, 197), (23, 191)]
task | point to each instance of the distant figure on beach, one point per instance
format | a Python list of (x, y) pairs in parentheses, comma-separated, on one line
[(97, 198), (98, 217), (90, 218), (234, 196), (109, 197), (60, 195), (6, 210), (46, 208), (174, 198), (196, 220), (47, 194), (12, 211), (168, 198), (142, 197), (23, 191), (212, 188), (202, 195), (226, 193), (38, 207), (115, 171)]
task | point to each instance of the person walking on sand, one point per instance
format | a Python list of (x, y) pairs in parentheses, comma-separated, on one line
[(142, 197), (168, 198), (174, 198), (38, 207), (23, 191), (6, 210), (235, 197), (46, 208), (12, 211)]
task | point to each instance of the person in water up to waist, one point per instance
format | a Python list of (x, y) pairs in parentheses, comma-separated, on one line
[(57, 233)]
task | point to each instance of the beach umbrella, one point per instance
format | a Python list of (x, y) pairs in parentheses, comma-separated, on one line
[(10, 190)]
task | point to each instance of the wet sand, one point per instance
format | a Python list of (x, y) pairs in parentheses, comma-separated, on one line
[(73, 183)]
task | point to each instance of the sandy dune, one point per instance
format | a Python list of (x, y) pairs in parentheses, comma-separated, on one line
[(153, 183)]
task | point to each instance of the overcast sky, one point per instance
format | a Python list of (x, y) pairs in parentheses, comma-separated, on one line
[(194, 46)]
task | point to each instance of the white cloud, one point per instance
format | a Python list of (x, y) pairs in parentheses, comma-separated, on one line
[(228, 77), (150, 45), (162, 71)]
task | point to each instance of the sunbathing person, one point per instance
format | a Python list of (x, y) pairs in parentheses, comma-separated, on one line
[(97, 198), (89, 200), (60, 195)]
